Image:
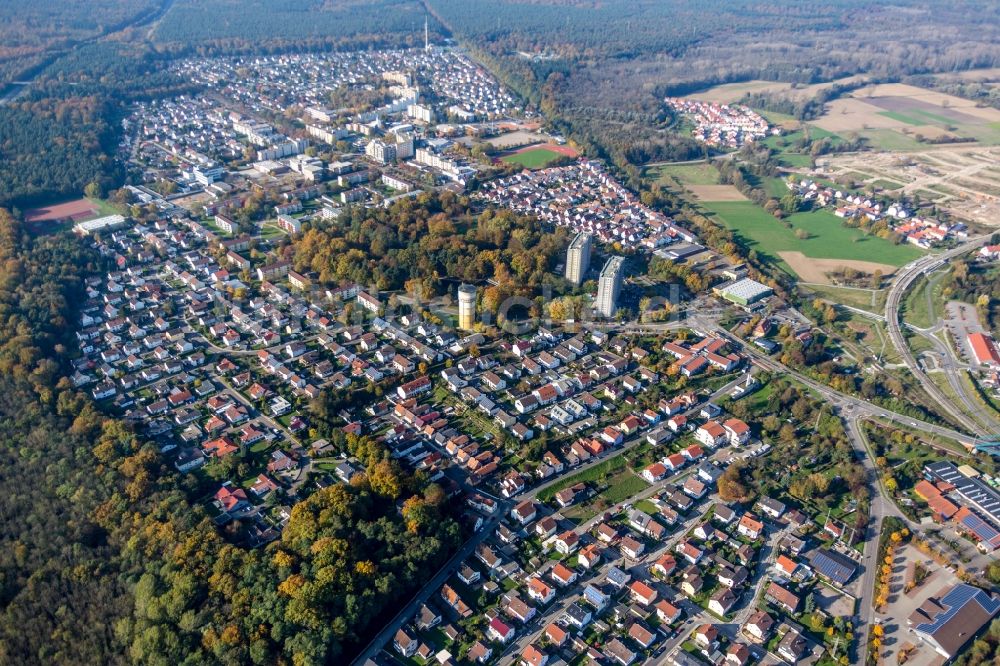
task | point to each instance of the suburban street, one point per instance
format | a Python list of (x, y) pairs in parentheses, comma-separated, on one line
[(384, 637), (853, 409)]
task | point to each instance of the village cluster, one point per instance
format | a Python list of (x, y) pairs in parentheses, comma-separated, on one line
[(915, 229), (722, 125), (672, 572), (585, 198)]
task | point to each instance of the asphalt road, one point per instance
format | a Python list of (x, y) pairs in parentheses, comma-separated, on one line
[(904, 279), (385, 636), (879, 507)]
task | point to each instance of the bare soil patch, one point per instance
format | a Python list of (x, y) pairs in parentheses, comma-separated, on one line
[(811, 269), (517, 139), (716, 193), (848, 114)]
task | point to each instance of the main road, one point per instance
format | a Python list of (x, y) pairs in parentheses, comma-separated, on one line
[(980, 422), (834, 397), (880, 506)]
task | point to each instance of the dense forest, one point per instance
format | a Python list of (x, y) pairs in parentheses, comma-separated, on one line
[(54, 146), (63, 133), (419, 241), (105, 555), (254, 26), (600, 67), (31, 32)]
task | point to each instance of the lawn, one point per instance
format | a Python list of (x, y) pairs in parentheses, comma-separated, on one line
[(535, 158), (647, 507), (828, 237), (623, 486), (105, 207), (776, 118), (854, 297), (620, 486), (889, 139), (775, 187), (924, 304), (269, 231), (687, 174), (795, 160), (598, 472)]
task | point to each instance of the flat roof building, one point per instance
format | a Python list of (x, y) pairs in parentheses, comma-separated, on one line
[(106, 223), (609, 286), (744, 291), (973, 491), (578, 258)]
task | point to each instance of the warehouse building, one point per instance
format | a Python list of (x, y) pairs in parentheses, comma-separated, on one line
[(744, 292)]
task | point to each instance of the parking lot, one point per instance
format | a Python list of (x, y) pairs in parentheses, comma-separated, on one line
[(902, 604)]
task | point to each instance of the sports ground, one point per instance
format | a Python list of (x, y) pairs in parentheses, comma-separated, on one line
[(77, 210), (62, 216), (538, 156)]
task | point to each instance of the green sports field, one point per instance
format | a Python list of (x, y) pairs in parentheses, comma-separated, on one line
[(535, 158), (828, 237)]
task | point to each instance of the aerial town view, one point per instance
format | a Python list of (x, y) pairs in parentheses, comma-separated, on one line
[(411, 333)]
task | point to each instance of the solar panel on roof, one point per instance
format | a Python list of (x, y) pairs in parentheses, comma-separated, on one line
[(834, 566), (955, 600)]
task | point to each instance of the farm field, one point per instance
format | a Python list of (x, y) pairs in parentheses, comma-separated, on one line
[(830, 245), (896, 116)]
